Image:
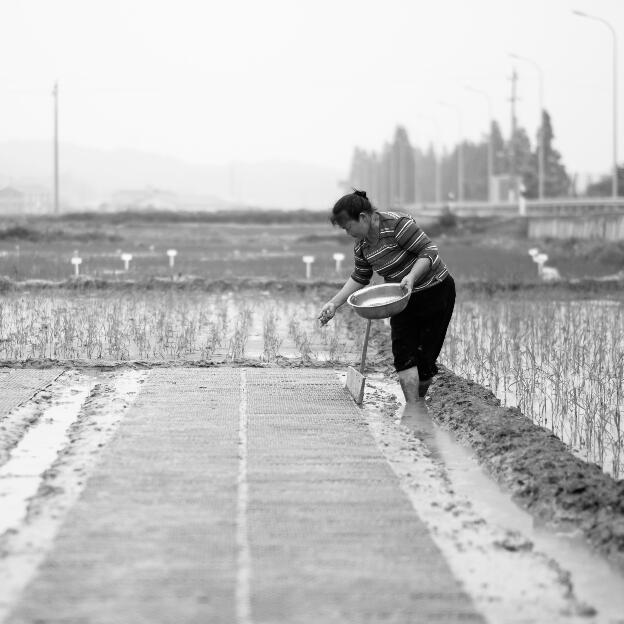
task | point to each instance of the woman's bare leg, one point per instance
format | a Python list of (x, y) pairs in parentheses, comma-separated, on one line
[(423, 386), (414, 415), (410, 382)]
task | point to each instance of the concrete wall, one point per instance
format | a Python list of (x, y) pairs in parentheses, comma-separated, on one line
[(603, 227), (584, 218)]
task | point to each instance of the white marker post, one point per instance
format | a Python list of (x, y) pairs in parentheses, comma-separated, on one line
[(76, 261), (338, 257), (308, 262), (550, 274), (126, 257), (172, 253), (541, 260)]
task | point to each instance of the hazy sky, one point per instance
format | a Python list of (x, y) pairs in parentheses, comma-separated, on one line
[(247, 80)]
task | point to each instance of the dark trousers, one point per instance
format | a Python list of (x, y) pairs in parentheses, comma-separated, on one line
[(418, 332)]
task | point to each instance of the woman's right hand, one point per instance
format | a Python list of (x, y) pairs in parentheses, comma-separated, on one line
[(327, 313)]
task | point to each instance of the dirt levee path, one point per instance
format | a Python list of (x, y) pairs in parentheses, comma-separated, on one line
[(243, 495)]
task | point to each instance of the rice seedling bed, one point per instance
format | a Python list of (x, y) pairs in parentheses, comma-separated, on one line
[(172, 325)]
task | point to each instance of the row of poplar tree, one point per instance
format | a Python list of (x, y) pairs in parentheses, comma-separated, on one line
[(401, 173)]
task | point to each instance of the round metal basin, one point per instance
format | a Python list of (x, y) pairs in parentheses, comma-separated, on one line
[(381, 301)]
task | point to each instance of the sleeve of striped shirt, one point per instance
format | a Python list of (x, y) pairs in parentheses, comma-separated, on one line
[(411, 238), (363, 271)]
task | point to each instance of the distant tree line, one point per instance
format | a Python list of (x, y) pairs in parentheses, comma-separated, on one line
[(402, 174), (261, 216)]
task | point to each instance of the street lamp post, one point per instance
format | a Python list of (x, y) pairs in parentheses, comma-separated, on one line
[(460, 152), (438, 175), (541, 155), (490, 151), (614, 187)]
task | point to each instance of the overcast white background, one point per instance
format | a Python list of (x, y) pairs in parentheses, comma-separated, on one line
[(251, 80)]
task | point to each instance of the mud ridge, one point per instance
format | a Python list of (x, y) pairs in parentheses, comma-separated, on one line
[(586, 286), (113, 365), (537, 468)]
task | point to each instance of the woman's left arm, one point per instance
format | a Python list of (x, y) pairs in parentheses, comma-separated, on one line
[(411, 238)]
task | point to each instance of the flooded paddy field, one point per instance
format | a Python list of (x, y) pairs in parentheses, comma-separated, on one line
[(560, 361), (552, 357), (174, 325)]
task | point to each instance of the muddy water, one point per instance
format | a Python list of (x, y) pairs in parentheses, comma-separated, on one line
[(20, 476), (595, 581)]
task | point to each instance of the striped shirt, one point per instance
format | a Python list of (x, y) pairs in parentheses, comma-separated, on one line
[(401, 242)]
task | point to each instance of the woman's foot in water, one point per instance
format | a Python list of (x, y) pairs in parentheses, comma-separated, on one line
[(415, 417)]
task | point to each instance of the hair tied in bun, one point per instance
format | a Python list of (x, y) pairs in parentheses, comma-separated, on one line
[(360, 194)]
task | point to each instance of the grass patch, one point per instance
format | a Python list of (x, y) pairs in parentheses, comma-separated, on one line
[(220, 216), (34, 235)]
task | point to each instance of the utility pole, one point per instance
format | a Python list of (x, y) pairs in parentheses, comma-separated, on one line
[(56, 150), (512, 140)]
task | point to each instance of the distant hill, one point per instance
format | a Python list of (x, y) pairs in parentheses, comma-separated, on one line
[(91, 176)]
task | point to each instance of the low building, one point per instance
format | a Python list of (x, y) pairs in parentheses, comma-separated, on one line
[(24, 200), (504, 187), (146, 198), (12, 201)]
